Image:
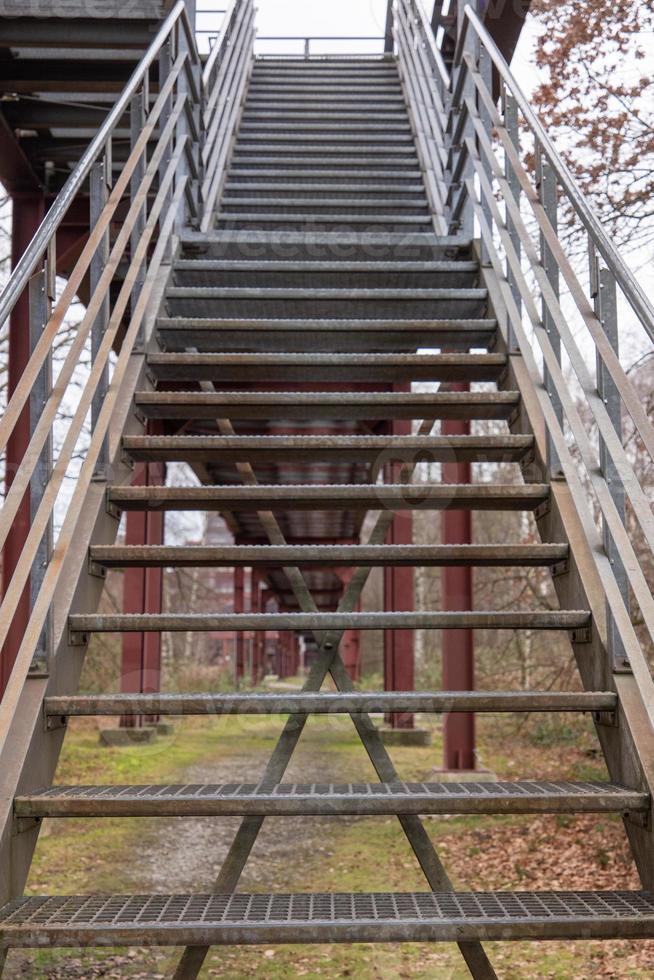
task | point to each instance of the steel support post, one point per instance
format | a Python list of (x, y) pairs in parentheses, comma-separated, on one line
[(27, 214), (458, 645), (399, 597), (142, 592)]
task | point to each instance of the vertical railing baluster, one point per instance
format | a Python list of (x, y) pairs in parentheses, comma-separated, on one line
[(548, 196), (465, 222), (138, 109), (512, 126), (99, 192), (486, 73), (604, 295), (39, 310), (181, 88), (196, 69), (165, 67)]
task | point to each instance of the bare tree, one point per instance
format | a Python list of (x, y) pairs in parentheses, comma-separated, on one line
[(598, 101)]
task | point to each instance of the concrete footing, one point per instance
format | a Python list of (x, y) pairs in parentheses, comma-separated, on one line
[(165, 728), (405, 736)]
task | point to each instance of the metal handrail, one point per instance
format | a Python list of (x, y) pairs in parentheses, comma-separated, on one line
[(28, 262), (629, 285), (179, 145), (474, 175)]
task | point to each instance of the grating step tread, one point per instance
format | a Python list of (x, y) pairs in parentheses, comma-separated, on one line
[(306, 187), (263, 292), (239, 202), (321, 405), (410, 176), (278, 556), (439, 243), (228, 919), (326, 367), (219, 265), (369, 702), (311, 218), (558, 620), (435, 496), (330, 799), (398, 130), (356, 449)]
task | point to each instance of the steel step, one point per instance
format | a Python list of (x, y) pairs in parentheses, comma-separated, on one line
[(324, 174), (262, 158), (233, 919), (328, 703), (274, 368), (302, 310), (558, 620), (330, 799), (326, 405), (323, 222), (271, 69), (375, 191), (330, 448), (259, 118), (378, 146), (390, 275), (323, 275), (355, 497), (394, 131), (295, 335), (268, 94), (233, 205), (326, 556), (328, 88), (403, 296), (316, 245)]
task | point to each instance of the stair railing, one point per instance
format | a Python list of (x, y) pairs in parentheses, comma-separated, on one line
[(469, 126), (224, 81), (134, 211)]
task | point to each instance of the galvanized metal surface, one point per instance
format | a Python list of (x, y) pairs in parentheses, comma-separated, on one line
[(359, 702), (330, 799), (121, 556), (380, 496), (564, 619), (360, 917)]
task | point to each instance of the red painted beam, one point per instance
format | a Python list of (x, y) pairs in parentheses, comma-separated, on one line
[(142, 593), (458, 645), (399, 654), (239, 607)]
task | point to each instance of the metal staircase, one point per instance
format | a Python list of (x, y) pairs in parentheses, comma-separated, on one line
[(303, 249)]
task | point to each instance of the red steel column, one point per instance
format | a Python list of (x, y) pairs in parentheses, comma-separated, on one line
[(458, 645), (239, 607), (142, 593), (27, 213), (399, 597), (256, 597)]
